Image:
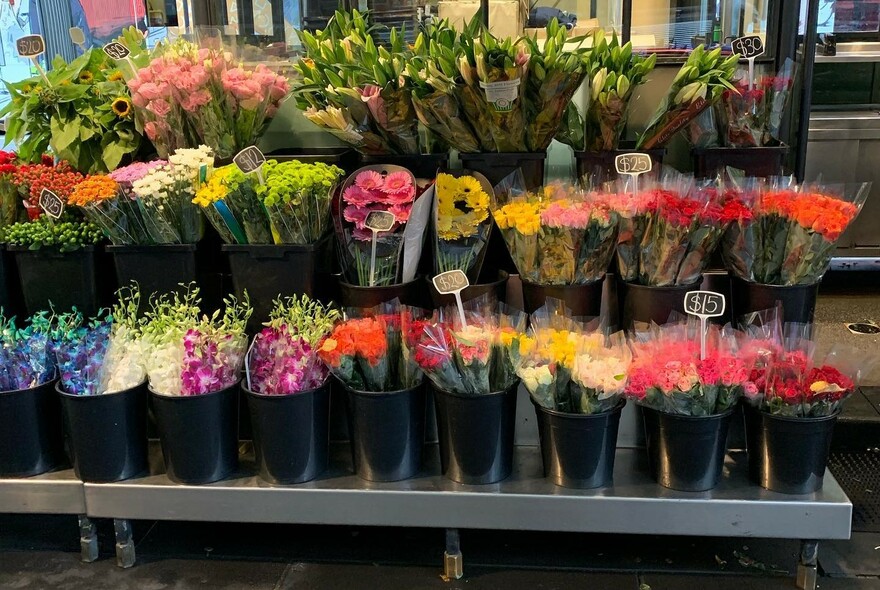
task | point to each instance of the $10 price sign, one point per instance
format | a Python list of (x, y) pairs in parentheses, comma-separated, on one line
[(704, 305)]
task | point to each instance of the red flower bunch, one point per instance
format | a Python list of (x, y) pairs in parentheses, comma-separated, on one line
[(8, 162), (822, 214), (33, 178), (794, 387)]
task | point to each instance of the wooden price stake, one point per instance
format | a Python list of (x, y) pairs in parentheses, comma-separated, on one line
[(704, 305), (32, 47), (453, 282), (378, 221), (749, 47), (634, 165), (51, 204), (251, 159)]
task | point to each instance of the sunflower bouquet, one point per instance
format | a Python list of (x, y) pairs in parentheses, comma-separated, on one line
[(463, 225)]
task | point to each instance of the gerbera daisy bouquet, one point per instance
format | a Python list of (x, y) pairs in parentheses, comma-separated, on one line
[(462, 222), (365, 351), (387, 199), (283, 358)]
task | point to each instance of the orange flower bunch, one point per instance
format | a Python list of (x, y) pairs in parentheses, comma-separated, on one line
[(827, 216), (94, 189), (364, 338)]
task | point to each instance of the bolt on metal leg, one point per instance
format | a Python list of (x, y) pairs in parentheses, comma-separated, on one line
[(88, 540), (453, 562), (125, 556), (808, 568)]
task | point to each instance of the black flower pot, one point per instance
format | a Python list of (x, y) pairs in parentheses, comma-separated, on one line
[(108, 433), (600, 165), (644, 304), (686, 452), (63, 280), (579, 449), (788, 454), (423, 166), (31, 439), (798, 301), (496, 289), (10, 296), (157, 269), (476, 435), (291, 434), (411, 293), (387, 432), (757, 162), (498, 166), (199, 434), (583, 300)]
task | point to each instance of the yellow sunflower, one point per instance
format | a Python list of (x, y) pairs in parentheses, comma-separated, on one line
[(115, 76), (86, 76), (121, 106)]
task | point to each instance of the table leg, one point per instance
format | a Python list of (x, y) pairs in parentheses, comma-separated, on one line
[(453, 562), (88, 540), (125, 556), (807, 570)]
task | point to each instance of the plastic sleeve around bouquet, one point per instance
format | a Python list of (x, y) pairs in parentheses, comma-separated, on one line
[(441, 113), (546, 109), (600, 371), (472, 101), (120, 219), (508, 347), (517, 216), (393, 113), (123, 361), (174, 220), (26, 353), (604, 124), (80, 352), (462, 223), (740, 244), (351, 123), (281, 362), (250, 213), (702, 131), (830, 382), (743, 116), (431, 344)]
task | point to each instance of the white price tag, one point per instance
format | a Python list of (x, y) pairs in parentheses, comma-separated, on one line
[(30, 46), (380, 221), (501, 95), (633, 164), (77, 36), (704, 305), (453, 282)]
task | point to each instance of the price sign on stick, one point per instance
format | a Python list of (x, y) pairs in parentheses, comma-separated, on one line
[(51, 203), (251, 159), (31, 47), (378, 221), (704, 305), (749, 47), (634, 165), (78, 37), (116, 50), (453, 282)]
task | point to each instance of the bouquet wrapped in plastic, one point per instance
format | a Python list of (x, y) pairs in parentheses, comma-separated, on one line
[(474, 357), (11, 209), (187, 353), (120, 217), (283, 358), (366, 352), (751, 117), (558, 234), (390, 190), (26, 352), (786, 236), (462, 222)]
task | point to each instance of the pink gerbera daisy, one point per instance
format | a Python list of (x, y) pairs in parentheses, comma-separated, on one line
[(398, 182), (369, 180), (355, 195), (403, 197)]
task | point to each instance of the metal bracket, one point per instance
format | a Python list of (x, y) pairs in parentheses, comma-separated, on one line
[(808, 565), (88, 540), (125, 556), (453, 562)]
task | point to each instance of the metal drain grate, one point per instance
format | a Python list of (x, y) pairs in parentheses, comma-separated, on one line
[(859, 476)]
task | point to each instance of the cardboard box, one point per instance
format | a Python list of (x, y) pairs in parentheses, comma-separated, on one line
[(507, 18)]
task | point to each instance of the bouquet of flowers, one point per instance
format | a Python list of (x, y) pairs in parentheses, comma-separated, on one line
[(668, 375), (165, 194), (786, 236), (229, 200), (102, 201), (11, 209), (474, 358), (26, 352), (751, 117), (557, 235), (388, 189), (696, 87), (461, 219), (31, 179), (190, 354), (366, 353), (189, 96), (284, 356)]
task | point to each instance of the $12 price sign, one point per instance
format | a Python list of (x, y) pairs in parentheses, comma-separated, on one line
[(453, 282), (251, 159), (749, 47), (704, 305), (634, 165), (378, 221)]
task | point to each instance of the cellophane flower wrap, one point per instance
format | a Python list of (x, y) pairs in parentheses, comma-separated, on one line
[(11, 206), (165, 195), (787, 235), (26, 352), (283, 358), (476, 357), (229, 200), (188, 96), (753, 117), (119, 215), (187, 353), (668, 374), (365, 191), (462, 222), (366, 352), (558, 234)]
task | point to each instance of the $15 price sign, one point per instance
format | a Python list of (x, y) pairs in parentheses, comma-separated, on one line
[(453, 282), (704, 305)]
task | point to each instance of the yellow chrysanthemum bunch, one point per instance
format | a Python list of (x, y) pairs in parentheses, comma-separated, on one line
[(462, 205), (523, 216), (215, 189)]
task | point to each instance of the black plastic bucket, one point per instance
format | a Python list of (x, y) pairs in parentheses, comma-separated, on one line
[(31, 440), (423, 166), (156, 269), (640, 303), (497, 166), (476, 435), (583, 300), (798, 301), (600, 165), (788, 454), (758, 162), (108, 433), (387, 432), (496, 289), (291, 434), (10, 296), (64, 279), (198, 434), (579, 449), (686, 452), (411, 293)]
